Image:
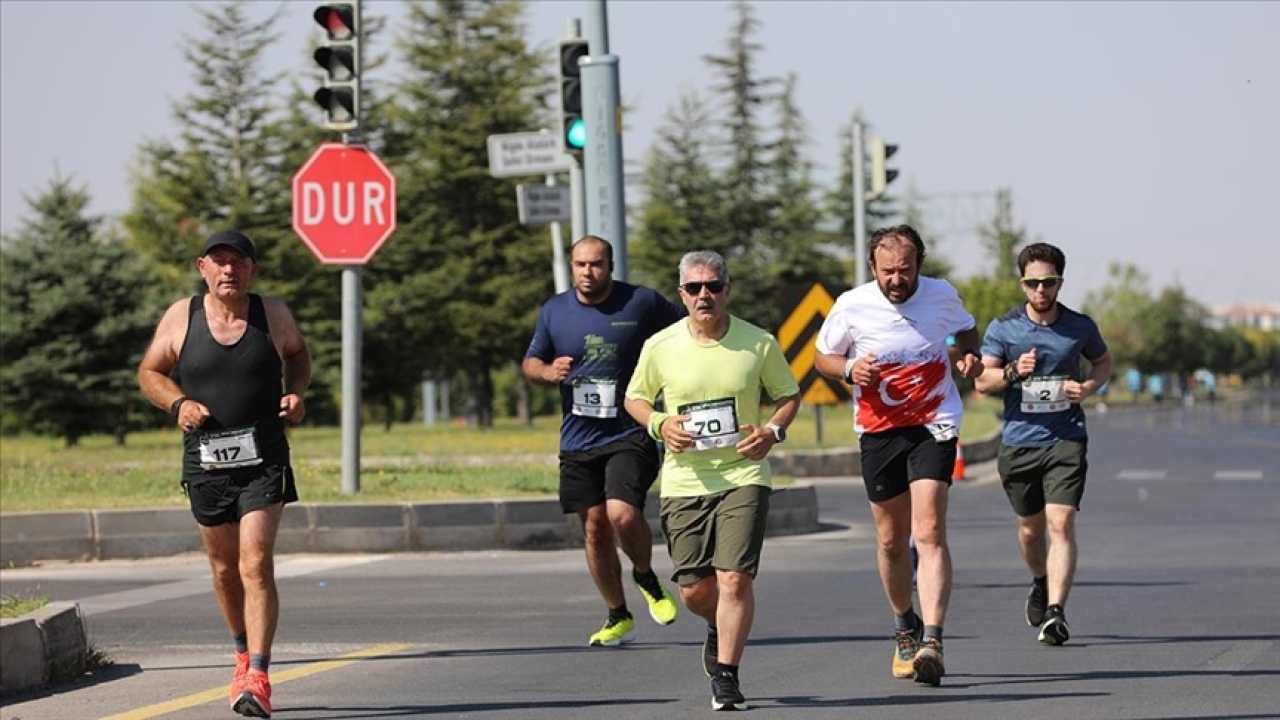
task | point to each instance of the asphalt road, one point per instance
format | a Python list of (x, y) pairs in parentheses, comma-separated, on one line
[(1174, 613)]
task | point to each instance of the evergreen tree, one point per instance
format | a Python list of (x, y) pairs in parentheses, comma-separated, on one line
[(78, 310), (794, 251), (461, 285), (222, 169), (684, 197)]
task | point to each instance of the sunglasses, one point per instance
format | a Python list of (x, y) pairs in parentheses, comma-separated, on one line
[(695, 288), (1049, 281)]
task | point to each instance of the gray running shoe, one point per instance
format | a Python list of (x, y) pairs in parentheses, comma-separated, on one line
[(1037, 603)]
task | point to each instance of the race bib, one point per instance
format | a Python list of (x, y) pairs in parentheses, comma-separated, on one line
[(713, 423), (225, 449), (1044, 394), (943, 431), (595, 397)]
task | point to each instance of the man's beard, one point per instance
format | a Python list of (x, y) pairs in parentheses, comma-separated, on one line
[(907, 293)]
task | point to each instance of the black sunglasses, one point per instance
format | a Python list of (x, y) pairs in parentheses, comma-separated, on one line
[(1050, 281), (695, 288)]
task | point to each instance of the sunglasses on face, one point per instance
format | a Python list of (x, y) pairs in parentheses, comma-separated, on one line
[(1048, 281), (695, 288)]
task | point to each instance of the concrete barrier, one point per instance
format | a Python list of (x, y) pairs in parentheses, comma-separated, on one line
[(518, 524), (43, 645)]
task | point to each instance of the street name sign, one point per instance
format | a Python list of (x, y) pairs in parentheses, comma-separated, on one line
[(522, 154), (543, 204)]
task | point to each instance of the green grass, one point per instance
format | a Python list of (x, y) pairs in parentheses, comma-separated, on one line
[(12, 606), (409, 462)]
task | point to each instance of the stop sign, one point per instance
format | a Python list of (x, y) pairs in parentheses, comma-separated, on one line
[(344, 203)]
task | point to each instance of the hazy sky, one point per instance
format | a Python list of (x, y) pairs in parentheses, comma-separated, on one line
[(1143, 132)]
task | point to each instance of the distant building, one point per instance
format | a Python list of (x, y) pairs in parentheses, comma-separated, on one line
[(1263, 316)]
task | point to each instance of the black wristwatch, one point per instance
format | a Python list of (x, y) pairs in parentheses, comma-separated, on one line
[(779, 432), (176, 405)]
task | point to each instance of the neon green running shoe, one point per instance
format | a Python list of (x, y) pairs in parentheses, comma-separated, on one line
[(614, 633), (663, 607)]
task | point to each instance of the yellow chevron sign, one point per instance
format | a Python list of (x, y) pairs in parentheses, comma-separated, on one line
[(797, 336)]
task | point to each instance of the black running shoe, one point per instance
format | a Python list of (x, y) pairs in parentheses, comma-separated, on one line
[(725, 694), (1037, 603), (711, 652), (1055, 631)]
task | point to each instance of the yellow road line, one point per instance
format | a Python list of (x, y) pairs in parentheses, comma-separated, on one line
[(207, 696)]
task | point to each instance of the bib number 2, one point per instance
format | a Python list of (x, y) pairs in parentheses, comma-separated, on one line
[(1044, 394)]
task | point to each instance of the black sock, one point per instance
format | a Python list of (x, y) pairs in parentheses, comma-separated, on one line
[(906, 621), (933, 631), (619, 613), (1041, 582), (242, 642), (1055, 609), (648, 581), (260, 662), (728, 669)]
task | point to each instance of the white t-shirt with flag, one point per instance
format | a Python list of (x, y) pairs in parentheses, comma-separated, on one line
[(910, 344)]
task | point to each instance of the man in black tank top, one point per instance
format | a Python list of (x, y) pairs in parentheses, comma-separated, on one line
[(231, 368)]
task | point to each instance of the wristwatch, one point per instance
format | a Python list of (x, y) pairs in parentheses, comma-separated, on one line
[(779, 432)]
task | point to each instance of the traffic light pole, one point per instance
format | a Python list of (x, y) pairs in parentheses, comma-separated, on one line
[(602, 157), (352, 329), (859, 204), (559, 270)]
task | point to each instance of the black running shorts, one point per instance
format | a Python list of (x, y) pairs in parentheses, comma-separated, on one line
[(893, 459), (218, 498), (622, 470)]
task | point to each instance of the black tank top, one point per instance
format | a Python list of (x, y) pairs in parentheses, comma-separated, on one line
[(240, 383)]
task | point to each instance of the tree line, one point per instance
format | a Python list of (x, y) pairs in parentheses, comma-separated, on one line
[(455, 292)]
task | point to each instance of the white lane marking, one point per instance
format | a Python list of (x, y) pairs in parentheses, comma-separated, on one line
[(1142, 474), (1238, 475), (108, 602)]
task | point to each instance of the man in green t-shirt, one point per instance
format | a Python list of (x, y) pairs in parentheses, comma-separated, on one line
[(710, 369)]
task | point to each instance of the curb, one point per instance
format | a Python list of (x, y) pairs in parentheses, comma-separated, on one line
[(41, 646)]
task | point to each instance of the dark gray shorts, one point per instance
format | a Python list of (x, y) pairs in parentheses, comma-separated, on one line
[(723, 531), (893, 459), (1033, 477)]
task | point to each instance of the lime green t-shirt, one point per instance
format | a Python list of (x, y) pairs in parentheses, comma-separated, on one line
[(719, 386)]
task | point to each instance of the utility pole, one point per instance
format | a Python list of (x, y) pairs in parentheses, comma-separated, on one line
[(859, 203), (601, 105)]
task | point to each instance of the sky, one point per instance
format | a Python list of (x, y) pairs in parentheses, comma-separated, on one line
[(1145, 133)]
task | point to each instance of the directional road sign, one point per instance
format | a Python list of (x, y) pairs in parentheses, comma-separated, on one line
[(797, 337), (543, 204), (530, 153)]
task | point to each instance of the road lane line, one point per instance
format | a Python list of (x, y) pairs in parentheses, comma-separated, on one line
[(1142, 474), (1238, 475), (220, 693)]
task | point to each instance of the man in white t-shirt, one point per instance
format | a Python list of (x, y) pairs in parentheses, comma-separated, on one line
[(888, 339)]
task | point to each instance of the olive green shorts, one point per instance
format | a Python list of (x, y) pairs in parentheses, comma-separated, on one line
[(1035, 476), (723, 531)]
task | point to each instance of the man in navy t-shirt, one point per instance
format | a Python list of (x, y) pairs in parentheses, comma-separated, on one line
[(587, 342), (1032, 356)]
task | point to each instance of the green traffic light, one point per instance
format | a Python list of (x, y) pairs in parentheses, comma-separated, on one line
[(576, 134)]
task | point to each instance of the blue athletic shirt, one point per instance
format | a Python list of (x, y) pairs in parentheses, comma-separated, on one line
[(1034, 414), (604, 341)]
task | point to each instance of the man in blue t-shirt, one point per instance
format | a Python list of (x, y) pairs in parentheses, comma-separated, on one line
[(587, 342), (1032, 356)]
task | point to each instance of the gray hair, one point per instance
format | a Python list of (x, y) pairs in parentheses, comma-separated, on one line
[(709, 259)]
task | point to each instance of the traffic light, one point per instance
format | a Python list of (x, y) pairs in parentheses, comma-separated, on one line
[(881, 175), (573, 128), (340, 58)]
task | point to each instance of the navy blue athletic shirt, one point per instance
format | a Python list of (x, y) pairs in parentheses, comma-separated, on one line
[(604, 341)]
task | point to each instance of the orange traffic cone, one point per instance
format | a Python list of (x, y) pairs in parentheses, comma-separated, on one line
[(957, 472)]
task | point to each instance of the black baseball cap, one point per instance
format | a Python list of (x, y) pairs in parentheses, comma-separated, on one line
[(232, 239)]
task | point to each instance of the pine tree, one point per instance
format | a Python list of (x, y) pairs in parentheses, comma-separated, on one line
[(461, 284), (78, 310)]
